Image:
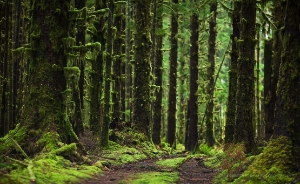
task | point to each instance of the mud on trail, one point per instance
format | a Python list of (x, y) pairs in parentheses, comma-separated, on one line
[(192, 171)]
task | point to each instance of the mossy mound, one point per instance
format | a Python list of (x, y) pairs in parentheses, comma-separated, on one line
[(45, 169), (272, 165)]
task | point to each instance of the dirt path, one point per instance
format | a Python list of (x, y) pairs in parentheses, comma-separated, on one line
[(192, 171)]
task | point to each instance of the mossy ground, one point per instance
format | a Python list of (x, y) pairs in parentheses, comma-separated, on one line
[(272, 165), (46, 169)]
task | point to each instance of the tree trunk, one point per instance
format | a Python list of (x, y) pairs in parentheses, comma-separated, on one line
[(156, 130), (268, 98), (210, 141), (80, 40), (287, 116), (173, 78), (193, 99), (108, 63), (117, 61), (141, 94), (128, 66), (96, 106), (231, 107), (44, 100), (245, 86), (279, 8)]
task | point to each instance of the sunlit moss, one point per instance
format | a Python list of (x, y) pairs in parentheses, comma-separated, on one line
[(173, 162)]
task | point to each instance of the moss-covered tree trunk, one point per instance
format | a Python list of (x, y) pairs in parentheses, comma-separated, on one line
[(5, 58), (173, 78), (96, 105), (287, 116), (209, 139), (156, 130), (118, 62), (80, 40), (270, 99), (192, 135), (245, 85), (128, 66), (231, 107), (107, 86), (141, 88), (44, 107)]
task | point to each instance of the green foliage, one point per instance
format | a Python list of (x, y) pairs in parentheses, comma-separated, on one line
[(152, 178), (234, 160), (205, 149), (271, 166)]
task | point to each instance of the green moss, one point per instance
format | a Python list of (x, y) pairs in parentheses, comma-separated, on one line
[(16, 134), (172, 163), (272, 165), (152, 178), (51, 170)]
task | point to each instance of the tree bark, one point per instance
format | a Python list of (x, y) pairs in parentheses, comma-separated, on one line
[(173, 78), (231, 107), (193, 98), (44, 107), (156, 130), (141, 90), (210, 141), (245, 86), (287, 116)]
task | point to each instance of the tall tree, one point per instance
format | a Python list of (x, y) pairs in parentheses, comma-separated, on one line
[(245, 72), (5, 74), (141, 89), (192, 135), (107, 86), (156, 130), (97, 71), (270, 97), (231, 107), (173, 77), (128, 63), (287, 116), (118, 63), (80, 40), (44, 99), (210, 74)]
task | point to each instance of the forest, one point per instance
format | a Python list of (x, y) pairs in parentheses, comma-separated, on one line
[(150, 91)]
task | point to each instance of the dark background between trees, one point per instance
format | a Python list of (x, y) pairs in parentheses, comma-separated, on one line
[(182, 72)]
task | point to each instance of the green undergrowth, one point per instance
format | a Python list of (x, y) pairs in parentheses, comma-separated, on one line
[(45, 169), (273, 165), (152, 178), (117, 154)]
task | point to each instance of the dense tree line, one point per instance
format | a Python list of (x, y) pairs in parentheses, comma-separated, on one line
[(162, 66)]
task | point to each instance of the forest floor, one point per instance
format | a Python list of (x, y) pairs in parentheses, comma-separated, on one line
[(191, 170)]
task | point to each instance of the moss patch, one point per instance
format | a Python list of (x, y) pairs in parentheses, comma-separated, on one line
[(152, 178), (271, 166), (48, 169), (172, 162)]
